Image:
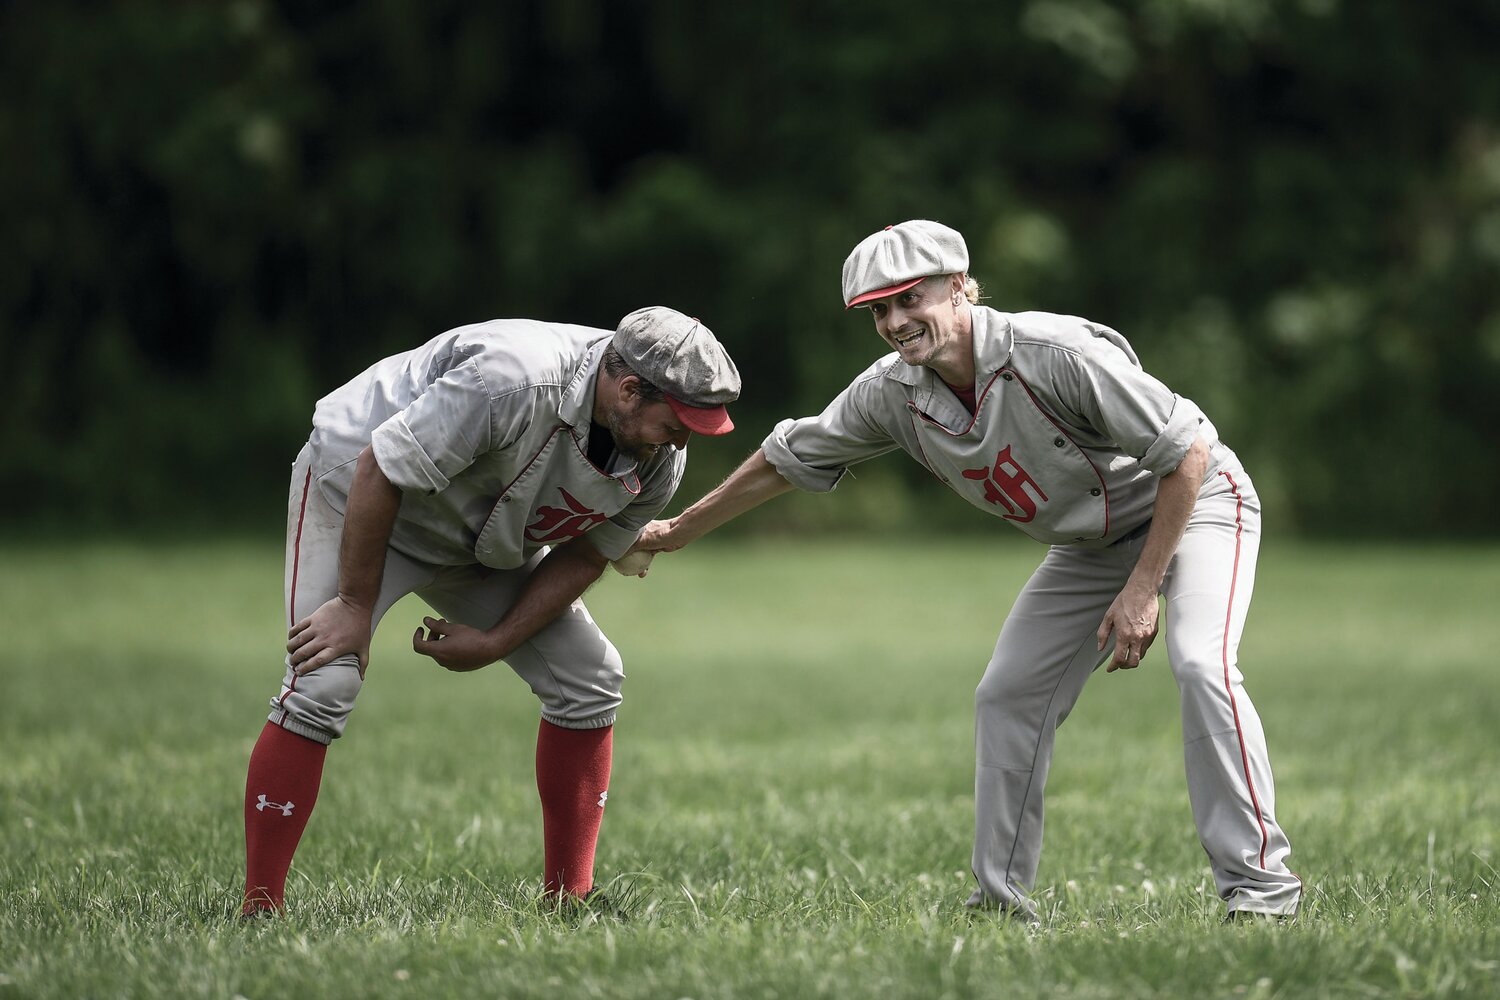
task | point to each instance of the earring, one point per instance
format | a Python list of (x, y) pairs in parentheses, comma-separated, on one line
[(957, 299)]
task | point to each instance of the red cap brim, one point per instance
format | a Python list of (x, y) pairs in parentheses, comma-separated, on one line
[(881, 293), (710, 420)]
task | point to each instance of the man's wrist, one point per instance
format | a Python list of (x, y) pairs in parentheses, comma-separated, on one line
[(680, 529), (669, 534), (1140, 587), (359, 604), (498, 644)]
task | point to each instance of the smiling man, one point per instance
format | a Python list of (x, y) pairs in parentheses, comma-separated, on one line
[(1050, 423), (494, 471)]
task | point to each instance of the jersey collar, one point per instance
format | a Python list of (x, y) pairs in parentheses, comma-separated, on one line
[(993, 339), (576, 408)]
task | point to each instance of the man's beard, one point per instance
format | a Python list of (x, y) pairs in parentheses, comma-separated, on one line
[(630, 447)]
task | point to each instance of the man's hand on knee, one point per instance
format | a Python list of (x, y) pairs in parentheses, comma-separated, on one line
[(336, 629)]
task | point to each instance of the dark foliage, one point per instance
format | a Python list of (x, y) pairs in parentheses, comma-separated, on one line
[(215, 212)]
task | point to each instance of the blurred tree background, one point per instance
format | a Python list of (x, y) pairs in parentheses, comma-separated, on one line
[(215, 212)]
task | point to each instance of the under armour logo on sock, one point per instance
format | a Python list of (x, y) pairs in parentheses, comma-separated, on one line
[(602, 796), (286, 808)]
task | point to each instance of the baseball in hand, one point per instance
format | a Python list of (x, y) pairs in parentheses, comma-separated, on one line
[(633, 564)]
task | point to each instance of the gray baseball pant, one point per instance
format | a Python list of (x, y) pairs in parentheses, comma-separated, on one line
[(1047, 650), (571, 666)]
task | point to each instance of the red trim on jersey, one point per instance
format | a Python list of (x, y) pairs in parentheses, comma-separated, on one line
[(529, 462), (911, 406), (1043, 411), (291, 608), (973, 414), (582, 451), (1239, 527), (974, 418), (635, 476)]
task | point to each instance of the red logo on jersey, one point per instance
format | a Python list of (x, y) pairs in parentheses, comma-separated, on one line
[(1006, 484), (557, 523)]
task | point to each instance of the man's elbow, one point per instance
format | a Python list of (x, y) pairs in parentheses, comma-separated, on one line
[(368, 475), (1195, 463), (583, 550)]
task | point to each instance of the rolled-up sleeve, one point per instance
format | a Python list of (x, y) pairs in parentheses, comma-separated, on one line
[(814, 453), (1145, 419), (437, 436), (1171, 445)]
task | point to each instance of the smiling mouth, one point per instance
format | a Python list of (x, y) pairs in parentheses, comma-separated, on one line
[(910, 338)]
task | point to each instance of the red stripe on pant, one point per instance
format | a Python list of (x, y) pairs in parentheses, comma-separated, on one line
[(291, 608), (1239, 529)]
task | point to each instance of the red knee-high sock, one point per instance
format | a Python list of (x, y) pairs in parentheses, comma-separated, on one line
[(280, 789), (572, 777)]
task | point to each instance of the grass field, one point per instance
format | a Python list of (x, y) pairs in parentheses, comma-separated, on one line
[(791, 808)]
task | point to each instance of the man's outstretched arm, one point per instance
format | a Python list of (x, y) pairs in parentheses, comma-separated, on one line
[(749, 486)]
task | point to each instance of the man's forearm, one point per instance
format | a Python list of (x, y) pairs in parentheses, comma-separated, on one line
[(559, 580), (749, 486), (369, 517), (1176, 496)]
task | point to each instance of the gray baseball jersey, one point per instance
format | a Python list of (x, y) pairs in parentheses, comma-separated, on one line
[(485, 429), (1067, 442)]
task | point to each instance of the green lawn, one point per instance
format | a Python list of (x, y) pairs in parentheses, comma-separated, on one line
[(792, 802)]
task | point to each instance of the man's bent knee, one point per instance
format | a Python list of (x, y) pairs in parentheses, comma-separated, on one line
[(317, 704), (592, 707), (1001, 689)]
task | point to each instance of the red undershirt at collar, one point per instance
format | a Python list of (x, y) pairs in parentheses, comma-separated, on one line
[(965, 396)]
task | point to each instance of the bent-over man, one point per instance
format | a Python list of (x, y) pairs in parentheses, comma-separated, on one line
[(494, 471)]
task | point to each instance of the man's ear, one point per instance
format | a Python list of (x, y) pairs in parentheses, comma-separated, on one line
[(628, 387)]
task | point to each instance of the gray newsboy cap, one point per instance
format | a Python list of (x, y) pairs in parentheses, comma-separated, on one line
[(898, 257), (681, 357)]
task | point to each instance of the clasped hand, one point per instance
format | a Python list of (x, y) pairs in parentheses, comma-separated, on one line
[(657, 537), (454, 646)]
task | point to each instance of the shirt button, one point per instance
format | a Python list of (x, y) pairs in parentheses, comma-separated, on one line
[(1094, 492), (1008, 377), (1057, 442)]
